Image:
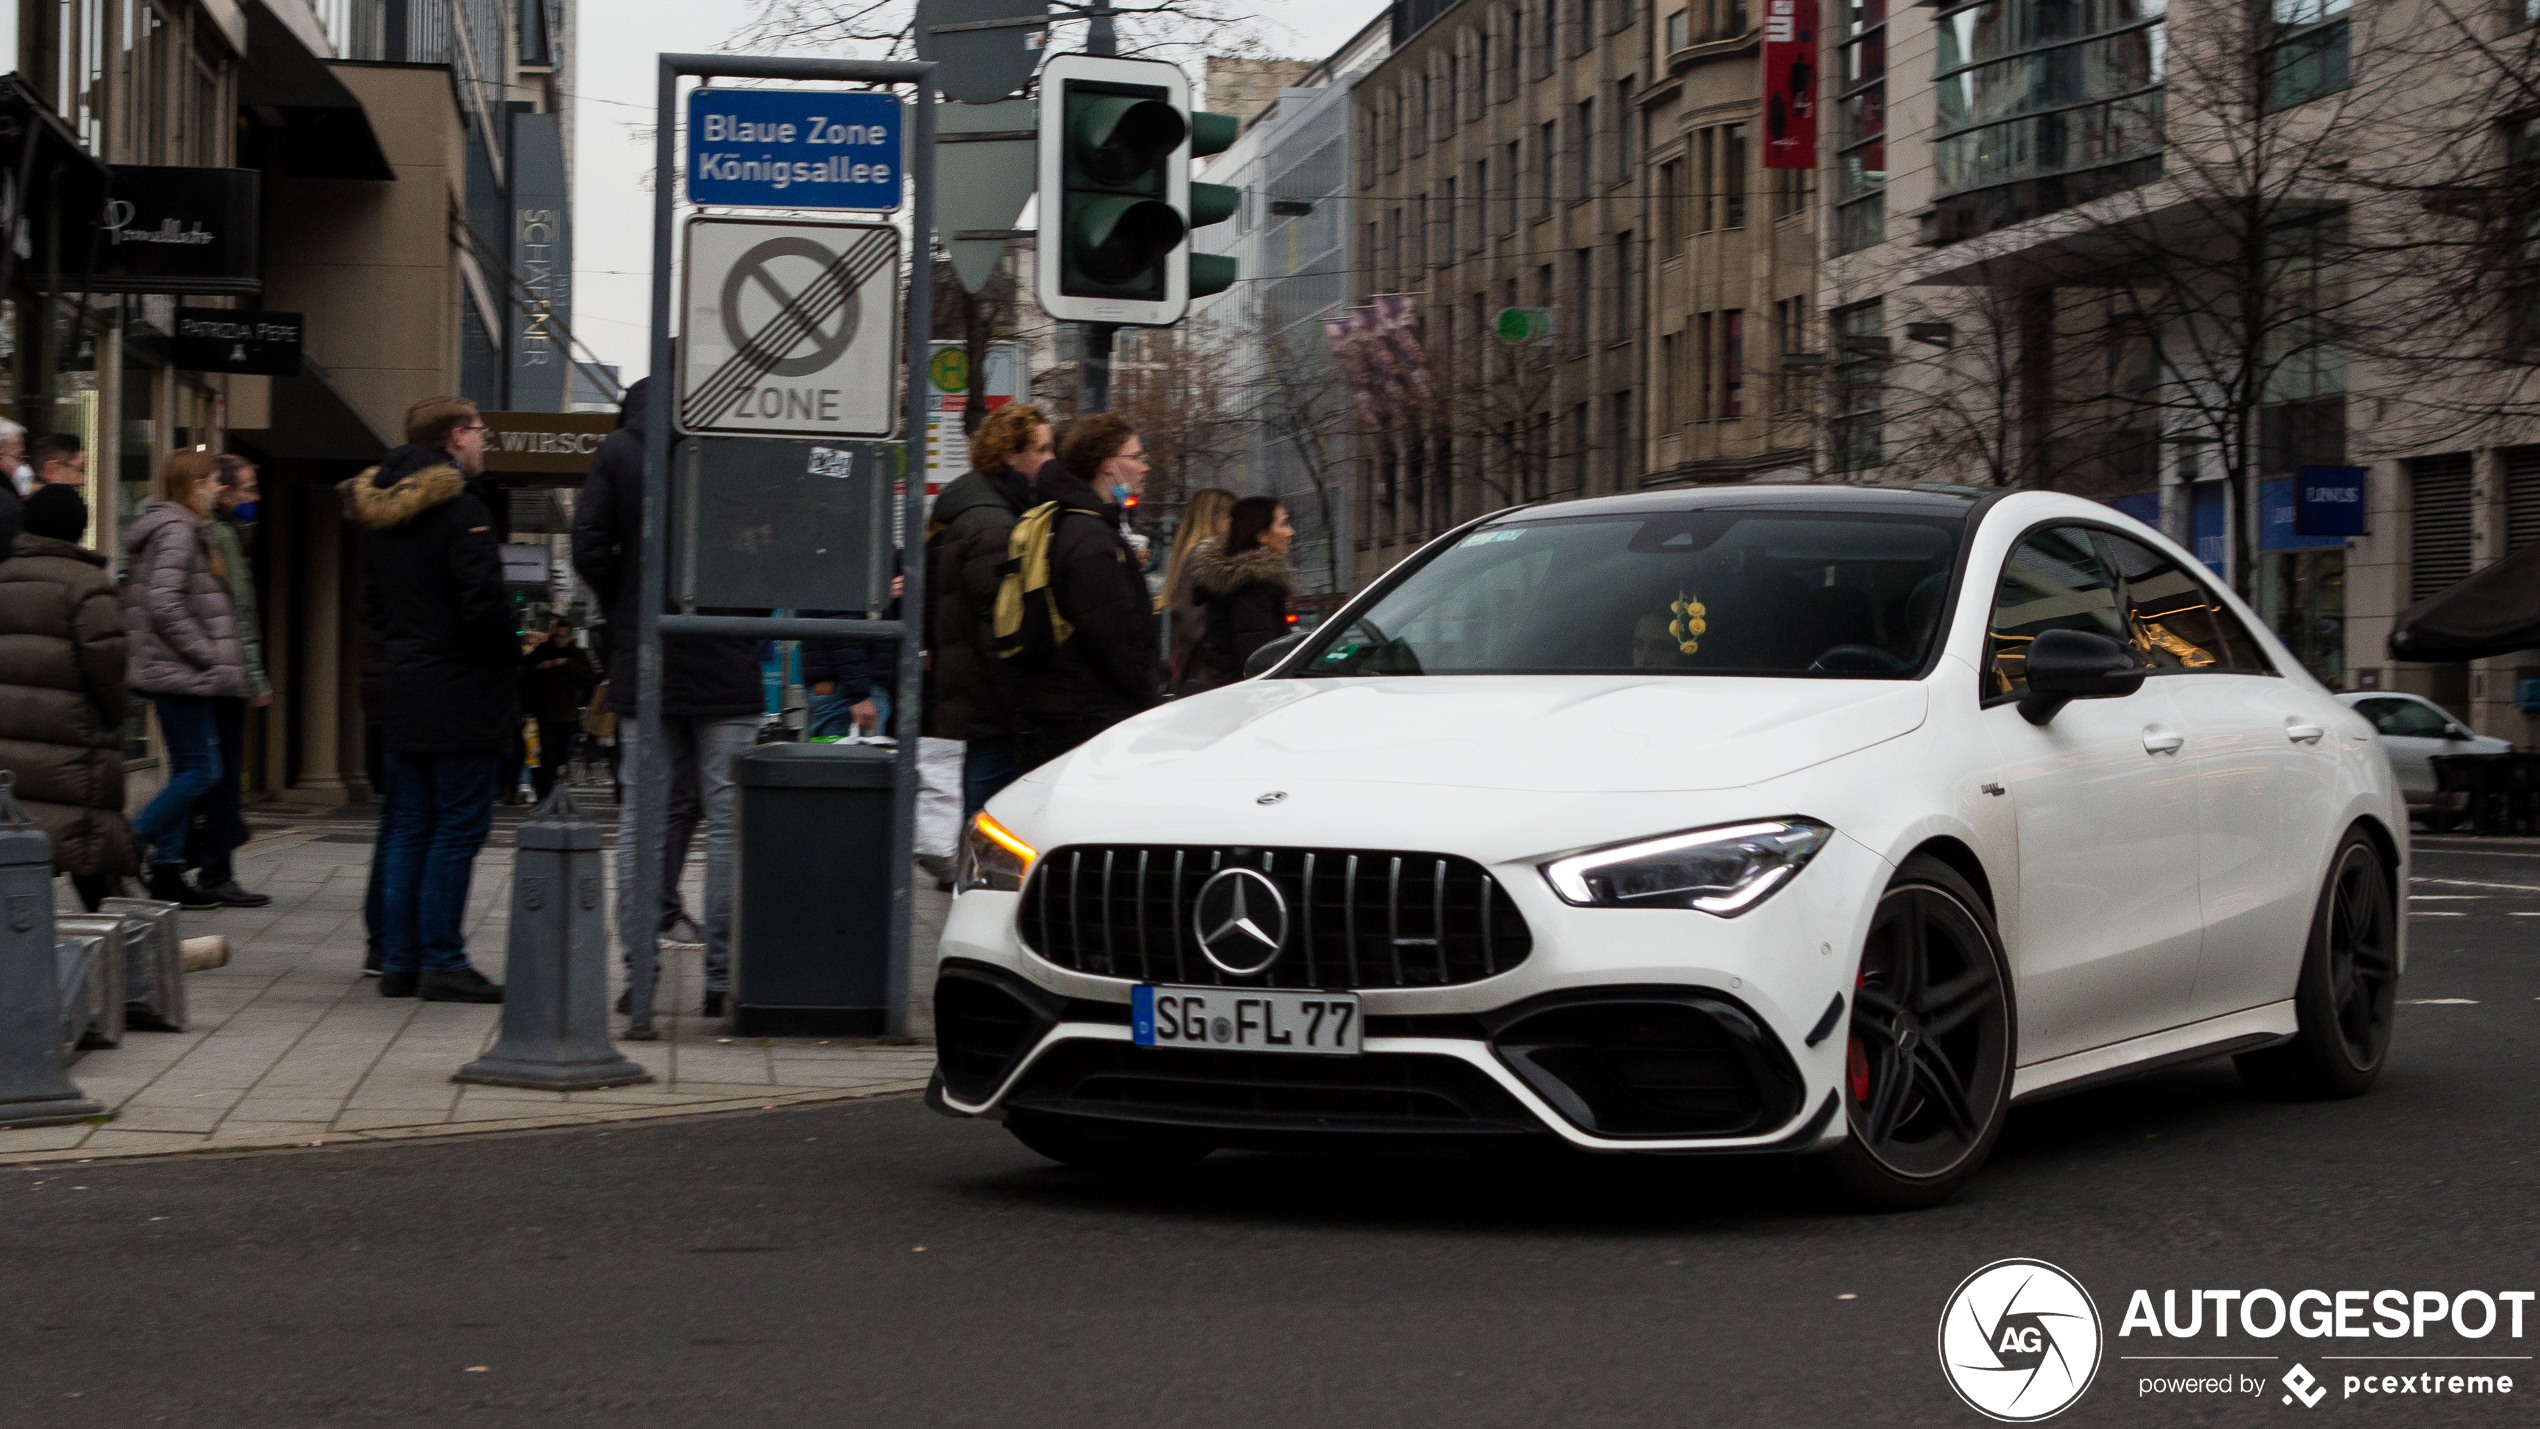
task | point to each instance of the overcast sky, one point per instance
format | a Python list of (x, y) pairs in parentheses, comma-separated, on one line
[(613, 110)]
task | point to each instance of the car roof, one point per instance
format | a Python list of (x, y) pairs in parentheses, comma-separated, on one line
[(1883, 500)]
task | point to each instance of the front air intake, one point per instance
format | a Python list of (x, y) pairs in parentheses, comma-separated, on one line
[(1651, 1062)]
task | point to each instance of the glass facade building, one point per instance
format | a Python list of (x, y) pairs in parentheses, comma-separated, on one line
[(2041, 104)]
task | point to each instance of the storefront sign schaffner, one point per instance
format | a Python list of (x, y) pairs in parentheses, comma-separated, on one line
[(790, 328)]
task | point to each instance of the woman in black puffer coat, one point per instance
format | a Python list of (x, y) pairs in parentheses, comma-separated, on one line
[(1245, 584)]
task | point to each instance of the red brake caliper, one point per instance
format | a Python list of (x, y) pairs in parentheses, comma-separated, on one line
[(1856, 1058)]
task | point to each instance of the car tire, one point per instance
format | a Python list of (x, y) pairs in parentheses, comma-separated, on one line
[(2348, 988), (1088, 1151), (1927, 1071)]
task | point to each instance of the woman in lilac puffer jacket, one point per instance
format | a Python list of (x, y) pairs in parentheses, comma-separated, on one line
[(183, 634)]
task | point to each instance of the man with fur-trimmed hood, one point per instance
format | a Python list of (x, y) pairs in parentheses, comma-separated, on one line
[(433, 588)]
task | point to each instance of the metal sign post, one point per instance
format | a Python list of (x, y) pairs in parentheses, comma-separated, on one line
[(652, 785)]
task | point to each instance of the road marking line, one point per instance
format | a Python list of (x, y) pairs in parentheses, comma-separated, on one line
[(2475, 883), (2433, 913), (2438, 1002), (2446, 897)]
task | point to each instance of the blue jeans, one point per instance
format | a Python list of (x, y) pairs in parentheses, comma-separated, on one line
[(987, 765), (193, 745), (441, 811), (835, 713), (713, 744), (375, 895)]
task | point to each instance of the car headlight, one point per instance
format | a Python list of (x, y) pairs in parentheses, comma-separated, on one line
[(992, 857), (1723, 871)]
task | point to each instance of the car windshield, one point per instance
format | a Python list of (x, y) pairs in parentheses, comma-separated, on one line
[(1848, 595)]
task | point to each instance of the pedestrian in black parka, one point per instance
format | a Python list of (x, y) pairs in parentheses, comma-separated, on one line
[(1108, 669)]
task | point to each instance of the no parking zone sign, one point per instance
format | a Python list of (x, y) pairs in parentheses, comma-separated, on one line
[(790, 328)]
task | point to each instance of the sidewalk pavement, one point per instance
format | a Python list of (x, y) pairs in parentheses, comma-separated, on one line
[(290, 1045)]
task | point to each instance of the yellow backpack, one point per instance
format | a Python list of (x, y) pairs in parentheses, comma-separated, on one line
[(1025, 622)]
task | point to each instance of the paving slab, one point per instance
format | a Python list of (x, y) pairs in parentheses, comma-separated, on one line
[(290, 1046)]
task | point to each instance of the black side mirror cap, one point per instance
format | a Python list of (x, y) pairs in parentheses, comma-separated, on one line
[(1272, 653), (2068, 665)]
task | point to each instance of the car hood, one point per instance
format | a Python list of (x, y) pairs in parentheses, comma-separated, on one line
[(1553, 734)]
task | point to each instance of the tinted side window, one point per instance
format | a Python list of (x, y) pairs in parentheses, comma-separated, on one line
[(2406, 718), (2176, 620), (2054, 580)]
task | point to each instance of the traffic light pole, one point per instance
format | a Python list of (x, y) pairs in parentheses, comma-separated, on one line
[(1094, 392)]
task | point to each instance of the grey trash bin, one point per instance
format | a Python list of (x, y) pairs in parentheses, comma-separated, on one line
[(811, 917)]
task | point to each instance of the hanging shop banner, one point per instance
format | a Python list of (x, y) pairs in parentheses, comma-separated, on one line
[(2329, 501), (177, 230), (1790, 84), (793, 148), (233, 340)]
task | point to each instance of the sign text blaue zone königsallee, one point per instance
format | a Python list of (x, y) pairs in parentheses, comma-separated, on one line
[(791, 148)]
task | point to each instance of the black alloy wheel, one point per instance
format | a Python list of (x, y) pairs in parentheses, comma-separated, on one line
[(2349, 985), (1927, 1069)]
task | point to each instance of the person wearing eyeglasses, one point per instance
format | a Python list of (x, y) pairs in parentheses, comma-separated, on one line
[(432, 584)]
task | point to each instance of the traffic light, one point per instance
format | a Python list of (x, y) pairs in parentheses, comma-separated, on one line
[(1116, 199)]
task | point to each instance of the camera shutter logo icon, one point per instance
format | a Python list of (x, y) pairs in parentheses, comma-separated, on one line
[(2020, 1341)]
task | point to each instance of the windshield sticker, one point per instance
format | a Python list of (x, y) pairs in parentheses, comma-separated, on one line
[(1484, 538)]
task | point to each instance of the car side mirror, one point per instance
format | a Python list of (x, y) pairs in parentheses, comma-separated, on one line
[(2068, 665), (1272, 653), (2453, 731)]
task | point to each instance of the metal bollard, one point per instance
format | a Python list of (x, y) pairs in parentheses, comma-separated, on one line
[(35, 1090), (555, 983)]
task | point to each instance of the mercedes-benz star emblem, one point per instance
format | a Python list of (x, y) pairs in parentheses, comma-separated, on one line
[(1241, 919)]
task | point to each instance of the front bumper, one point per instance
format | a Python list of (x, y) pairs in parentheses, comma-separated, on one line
[(1640, 1030)]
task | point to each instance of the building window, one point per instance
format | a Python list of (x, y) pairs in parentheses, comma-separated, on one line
[(1626, 463), (1860, 216), (2042, 105), (1791, 191), (1670, 381), (1579, 447), (1672, 199), (2522, 152), (1547, 154), (1790, 331), (1703, 362), (1733, 176), (1706, 202), (1514, 169), (1860, 335), (1585, 138), (1583, 290), (1626, 157), (1454, 216), (1733, 363), (2307, 57), (1626, 290), (1677, 34)]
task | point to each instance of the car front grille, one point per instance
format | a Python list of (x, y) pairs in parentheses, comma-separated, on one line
[(1356, 918), (1379, 1092)]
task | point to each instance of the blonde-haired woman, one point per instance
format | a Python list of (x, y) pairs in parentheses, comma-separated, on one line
[(970, 695), (1204, 519), (182, 630)]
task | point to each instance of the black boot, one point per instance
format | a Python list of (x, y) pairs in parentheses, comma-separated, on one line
[(458, 985), (399, 984), (168, 885), (229, 895)]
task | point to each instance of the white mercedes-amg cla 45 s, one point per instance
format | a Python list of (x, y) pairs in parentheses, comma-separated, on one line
[(1800, 820)]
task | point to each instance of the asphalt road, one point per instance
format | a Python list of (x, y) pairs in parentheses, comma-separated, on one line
[(877, 1264)]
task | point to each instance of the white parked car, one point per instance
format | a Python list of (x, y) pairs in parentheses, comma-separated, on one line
[(1731, 820), (2415, 729)]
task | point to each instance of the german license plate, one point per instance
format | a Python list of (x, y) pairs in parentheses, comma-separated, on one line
[(1226, 1019)]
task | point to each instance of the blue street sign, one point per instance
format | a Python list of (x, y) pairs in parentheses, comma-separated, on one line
[(790, 148), (2329, 501)]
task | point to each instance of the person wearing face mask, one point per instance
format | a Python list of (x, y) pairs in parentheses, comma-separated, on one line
[(1106, 671), (222, 823)]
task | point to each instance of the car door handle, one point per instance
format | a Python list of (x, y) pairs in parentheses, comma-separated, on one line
[(2304, 733), (2162, 741)]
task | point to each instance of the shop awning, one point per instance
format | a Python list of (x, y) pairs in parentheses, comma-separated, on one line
[(302, 121), (313, 422), (2495, 612), (63, 178)]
